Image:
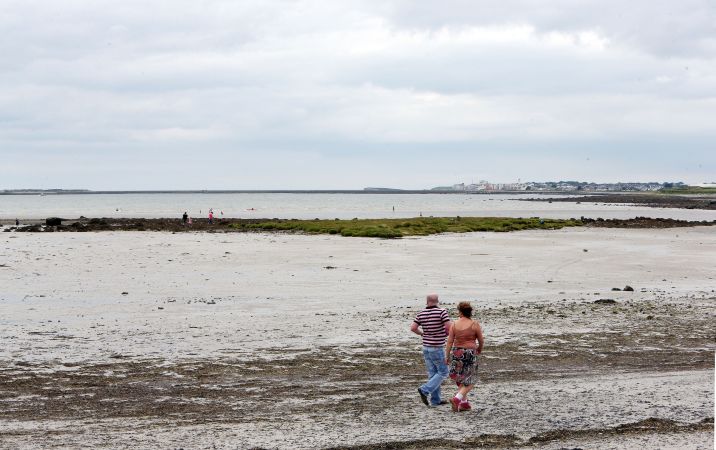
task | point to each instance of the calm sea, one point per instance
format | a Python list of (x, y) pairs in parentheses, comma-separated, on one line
[(317, 205)]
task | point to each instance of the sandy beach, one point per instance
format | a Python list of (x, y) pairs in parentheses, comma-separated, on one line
[(219, 221), (239, 340)]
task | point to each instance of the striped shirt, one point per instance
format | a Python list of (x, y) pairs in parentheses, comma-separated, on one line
[(433, 319)]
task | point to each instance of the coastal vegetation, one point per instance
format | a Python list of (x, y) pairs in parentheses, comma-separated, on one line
[(397, 228), (383, 228)]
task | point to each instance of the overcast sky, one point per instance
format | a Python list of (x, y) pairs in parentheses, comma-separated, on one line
[(271, 94)]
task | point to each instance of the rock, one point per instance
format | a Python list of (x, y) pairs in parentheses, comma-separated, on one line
[(330, 267), (30, 228), (125, 293), (616, 289), (53, 221), (628, 288), (605, 301)]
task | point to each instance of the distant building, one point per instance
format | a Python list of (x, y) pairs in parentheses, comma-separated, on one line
[(565, 186)]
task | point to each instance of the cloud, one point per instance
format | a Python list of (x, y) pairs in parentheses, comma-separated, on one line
[(325, 81), (662, 27)]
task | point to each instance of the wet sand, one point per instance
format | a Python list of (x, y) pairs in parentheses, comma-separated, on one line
[(202, 340)]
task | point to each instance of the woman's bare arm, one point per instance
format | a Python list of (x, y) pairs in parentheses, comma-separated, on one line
[(480, 338), (448, 347)]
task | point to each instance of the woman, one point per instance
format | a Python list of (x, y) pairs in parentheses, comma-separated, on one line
[(463, 351)]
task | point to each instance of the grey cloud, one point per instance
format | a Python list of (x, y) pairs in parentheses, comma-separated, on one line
[(242, 81), (663, 27)]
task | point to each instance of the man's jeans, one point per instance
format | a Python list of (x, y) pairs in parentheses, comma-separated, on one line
[(437, 371)]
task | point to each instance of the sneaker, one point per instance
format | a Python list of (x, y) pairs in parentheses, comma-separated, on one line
[(455, 403), (464, 406), (423, 397)]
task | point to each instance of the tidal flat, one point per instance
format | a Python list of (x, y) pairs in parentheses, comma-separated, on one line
[(240, 340)]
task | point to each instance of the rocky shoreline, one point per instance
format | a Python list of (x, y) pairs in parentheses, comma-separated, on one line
[(651, 200), (340, 386), (84, 224)]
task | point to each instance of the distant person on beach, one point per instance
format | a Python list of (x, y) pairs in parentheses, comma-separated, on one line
[(211, 217), (17, 222), (184, 218), (433, 324), (462, 355)]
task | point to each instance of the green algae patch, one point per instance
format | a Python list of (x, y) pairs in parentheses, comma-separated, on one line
[(397, 228)]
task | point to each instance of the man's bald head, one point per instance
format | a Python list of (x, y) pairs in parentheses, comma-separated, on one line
[(432, 299)]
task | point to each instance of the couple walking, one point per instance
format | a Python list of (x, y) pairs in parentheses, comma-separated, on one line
[(460, 359)]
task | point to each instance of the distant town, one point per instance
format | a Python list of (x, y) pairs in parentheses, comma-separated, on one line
[(562, 186)]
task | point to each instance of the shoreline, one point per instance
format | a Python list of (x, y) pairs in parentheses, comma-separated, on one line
[(177, 340), (234, 225), (692, 201)]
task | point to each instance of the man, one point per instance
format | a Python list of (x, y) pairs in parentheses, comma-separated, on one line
[(184, 218), (433, 324)]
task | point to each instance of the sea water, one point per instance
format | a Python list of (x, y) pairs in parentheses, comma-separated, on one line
[(319, 205)]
